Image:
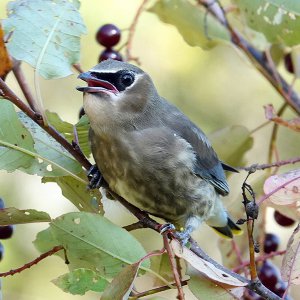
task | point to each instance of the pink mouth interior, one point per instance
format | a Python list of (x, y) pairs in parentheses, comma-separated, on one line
[(103, 84)]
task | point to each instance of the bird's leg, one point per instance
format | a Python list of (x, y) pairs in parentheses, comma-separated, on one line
[(95, 177)]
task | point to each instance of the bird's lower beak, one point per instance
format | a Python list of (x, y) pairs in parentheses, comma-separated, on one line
[(96, 85)]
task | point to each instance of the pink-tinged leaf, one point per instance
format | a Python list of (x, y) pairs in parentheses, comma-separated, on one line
[(121, 285), (204, 267), (204, 288), (290, 269), (271, 115), (284, 189)]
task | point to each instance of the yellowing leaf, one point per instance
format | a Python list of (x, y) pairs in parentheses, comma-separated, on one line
[(6, 64)]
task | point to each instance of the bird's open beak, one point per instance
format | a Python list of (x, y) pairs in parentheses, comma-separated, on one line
[(96, 85)]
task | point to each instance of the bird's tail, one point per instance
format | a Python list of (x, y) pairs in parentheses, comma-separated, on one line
[(229, 230)]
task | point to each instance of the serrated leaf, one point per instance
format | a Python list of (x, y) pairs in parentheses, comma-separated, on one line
[(93, 242), (290, 269), (15, 140), (53, 159), (13, 215), (231, 143), (67, 129), (46, 34), (278, 20), (196, 26), (204, 267), (78, 193), (121, 285), (203, 288), (80, 281)]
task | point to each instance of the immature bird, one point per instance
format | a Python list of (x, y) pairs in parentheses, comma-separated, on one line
[(150, 153)]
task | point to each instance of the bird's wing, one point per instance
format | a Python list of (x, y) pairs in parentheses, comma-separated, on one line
[(208, 166)]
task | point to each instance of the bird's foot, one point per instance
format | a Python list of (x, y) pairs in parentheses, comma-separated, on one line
[(95, 177), (166, 228), (182, 236)]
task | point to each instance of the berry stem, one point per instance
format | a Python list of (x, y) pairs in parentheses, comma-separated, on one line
[(32, 263)]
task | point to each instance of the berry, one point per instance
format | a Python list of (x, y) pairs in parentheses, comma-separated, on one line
[(6, 232), (110, 54), (288, 63), (2, 205), (108, 35), (1, 251), (271, 242), (81, 112), (269, 275), (283, 220)]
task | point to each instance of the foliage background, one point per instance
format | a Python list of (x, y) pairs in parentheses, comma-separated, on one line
[(214, 88)]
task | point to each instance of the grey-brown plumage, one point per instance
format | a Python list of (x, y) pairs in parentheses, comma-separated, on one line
[(149, 152)]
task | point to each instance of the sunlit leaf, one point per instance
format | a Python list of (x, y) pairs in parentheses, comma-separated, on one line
[(80, 281), (15, 141), (46, 34), (68, 130), (196, 26), (278, 20), (290, 269), (13, 215), (203, 288), (78, 193), (120, 287), (204, 267), (93, 242)]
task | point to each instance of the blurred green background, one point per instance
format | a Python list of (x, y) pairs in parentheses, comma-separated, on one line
[(214, 88)]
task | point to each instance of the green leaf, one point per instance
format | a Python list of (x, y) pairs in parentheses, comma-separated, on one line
[(15, 140), (93, 242), (278, 20), (121, 286), (80, 281), (46, 34), (231, 143), (13, 215), (78, 193), (161, 265), (196, 26), (203, 288), (67, 129), (53, 159)]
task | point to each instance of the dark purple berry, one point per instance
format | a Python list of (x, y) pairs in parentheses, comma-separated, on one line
[(288, 63), (108, 35), (2, 205), (269, 275), (283, 220), (81, 112), (271, 242), (1, 251), (280, 288), (6, 232), (110, 54)]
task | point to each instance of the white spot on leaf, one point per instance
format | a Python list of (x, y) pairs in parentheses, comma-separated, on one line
[(77, 221), (49, 168)]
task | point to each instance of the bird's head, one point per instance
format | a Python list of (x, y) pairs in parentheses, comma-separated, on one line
[(116, 91)]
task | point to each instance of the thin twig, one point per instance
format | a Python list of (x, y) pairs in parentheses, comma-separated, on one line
[(134, 226), (259, 259), (21, 79), (78, 68), (32, 263), (173, 266), (132, 31), (280, 163), (256, 57)]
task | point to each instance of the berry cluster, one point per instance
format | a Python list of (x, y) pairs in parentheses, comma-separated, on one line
[(5, 231), (268, 273), (108, 36)]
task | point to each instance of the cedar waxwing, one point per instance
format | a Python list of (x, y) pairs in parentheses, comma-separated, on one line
[(150, 153)]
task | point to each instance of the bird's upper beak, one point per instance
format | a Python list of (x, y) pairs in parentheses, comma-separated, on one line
[(96, 85)]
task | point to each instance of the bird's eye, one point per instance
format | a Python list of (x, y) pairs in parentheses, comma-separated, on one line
[(127, 79)]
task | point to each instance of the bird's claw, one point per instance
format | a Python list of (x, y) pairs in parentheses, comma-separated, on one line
[(166, 228), (182, 236), (96, 179)]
